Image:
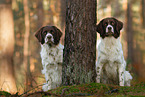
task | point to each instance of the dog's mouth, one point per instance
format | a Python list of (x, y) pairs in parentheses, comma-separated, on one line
[(50, 43), (109, 33)]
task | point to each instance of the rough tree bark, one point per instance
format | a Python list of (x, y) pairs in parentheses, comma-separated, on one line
[(80, 42), (7, 77)]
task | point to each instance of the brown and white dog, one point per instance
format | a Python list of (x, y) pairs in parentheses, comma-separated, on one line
[(51, 55), (110, 65)]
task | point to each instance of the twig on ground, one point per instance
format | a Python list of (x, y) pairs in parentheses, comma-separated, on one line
[(42, 92), (112, 91), (30, 90), (79, 94), (63, 92)]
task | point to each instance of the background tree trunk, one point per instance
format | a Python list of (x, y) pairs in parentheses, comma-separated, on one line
[(129, 31), (80, 42), (7, 77), (40, 13), (143, 13), (63, 14), (26, 45), (116, 8)]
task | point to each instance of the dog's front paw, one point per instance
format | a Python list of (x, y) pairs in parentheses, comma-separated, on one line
[(121, 83), (98, 79), (46, 87)]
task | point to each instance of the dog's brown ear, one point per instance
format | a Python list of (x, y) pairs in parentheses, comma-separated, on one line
[(39, 36), (119, 24), (58, 35), (100, 29), (118, 27)]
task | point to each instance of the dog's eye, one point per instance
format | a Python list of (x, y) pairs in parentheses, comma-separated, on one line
[(45, 32), (112, 23), (51, 31), (106, 24)]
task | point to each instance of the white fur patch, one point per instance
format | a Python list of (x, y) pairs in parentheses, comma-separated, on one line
[(52, 58), (110, 65)]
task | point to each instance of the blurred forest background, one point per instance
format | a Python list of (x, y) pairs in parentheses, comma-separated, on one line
[(20, 62)]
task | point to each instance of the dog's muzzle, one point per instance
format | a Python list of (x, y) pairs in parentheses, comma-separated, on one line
[(49, 38), (109, 30)]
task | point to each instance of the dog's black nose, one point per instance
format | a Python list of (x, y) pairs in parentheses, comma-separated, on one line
[(109, 28), (49, 37)]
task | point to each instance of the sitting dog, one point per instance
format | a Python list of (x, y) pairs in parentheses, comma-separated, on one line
[(51, 55), (110, 65)]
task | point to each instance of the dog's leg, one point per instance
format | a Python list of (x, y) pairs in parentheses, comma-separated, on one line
[(128, 78), (121, 75), (98, 70), (46, 86)]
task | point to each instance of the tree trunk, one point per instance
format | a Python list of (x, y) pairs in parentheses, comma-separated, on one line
[(40, 13), (80, 42), (26, 45), (117, 10), (63, 14), (7, 77), (143, 13), (129, 31)]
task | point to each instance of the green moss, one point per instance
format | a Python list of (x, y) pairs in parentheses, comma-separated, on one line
[(102, 89), (4, 93), (96, 89)]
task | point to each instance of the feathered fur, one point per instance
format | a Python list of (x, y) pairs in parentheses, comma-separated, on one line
[(51, 55), (111, 65), (52, 58)]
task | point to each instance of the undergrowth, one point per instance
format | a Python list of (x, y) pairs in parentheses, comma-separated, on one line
[(87, 90)]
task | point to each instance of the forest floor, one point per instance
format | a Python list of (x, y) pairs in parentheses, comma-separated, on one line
[(87, 90)]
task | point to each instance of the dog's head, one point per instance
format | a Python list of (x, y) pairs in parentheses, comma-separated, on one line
[(109, 27), (49, 35)]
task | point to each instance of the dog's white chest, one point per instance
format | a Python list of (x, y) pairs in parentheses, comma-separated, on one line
[(51, 55), (52, 65), (110, 50)]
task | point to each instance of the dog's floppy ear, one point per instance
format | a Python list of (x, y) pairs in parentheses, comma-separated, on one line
[(119, 24), (39, 36), (100, 29), (58, 35)]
